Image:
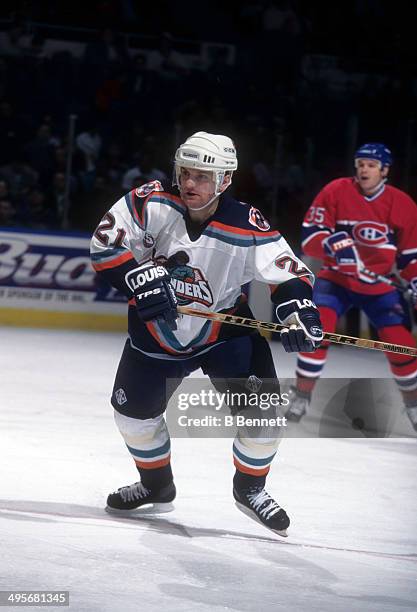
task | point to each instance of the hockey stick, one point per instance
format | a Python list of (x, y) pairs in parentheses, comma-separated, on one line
[(377, 277), (277, 327)]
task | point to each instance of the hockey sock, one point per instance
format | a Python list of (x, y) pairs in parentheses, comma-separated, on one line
[(310, 365), (403, 367), (156, 478), (245, 481)]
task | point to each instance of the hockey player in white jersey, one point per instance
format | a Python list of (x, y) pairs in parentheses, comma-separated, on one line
[(196, 248)]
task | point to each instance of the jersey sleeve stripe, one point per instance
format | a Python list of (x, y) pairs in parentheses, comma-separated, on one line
[(315, 234), (403, 262), (306, 279), (108, 263), (410, 252)]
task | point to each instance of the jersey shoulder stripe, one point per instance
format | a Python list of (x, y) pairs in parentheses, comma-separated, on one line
[(138, 205), (238, 236), (233, 222)]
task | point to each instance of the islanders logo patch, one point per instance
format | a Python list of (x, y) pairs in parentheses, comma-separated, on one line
[(189, 282)]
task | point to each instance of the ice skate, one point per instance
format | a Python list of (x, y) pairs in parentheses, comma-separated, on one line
[(137, 500), (298, 404), (256, 503)]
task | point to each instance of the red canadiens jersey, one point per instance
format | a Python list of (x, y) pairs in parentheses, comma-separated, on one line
[(383, 227)]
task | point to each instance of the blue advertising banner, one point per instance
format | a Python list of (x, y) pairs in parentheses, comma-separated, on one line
[(46, 279)]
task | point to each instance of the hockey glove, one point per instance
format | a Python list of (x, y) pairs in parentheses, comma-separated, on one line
[(412, 288), (341, 246), (154, 295), (304, 331)]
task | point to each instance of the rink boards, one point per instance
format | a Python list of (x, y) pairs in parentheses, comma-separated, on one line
[(46, 280)]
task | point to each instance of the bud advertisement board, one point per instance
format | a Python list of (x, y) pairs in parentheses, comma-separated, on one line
[(46, 279)]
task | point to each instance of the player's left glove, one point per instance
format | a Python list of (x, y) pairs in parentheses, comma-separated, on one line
[(304, 332), (412, 288), (341, 246)]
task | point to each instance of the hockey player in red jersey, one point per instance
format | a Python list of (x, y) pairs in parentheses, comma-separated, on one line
[(356, 224), (197, 248)]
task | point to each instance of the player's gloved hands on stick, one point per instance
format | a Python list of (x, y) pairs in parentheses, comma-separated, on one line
[(304, 331), (154, 295), (341, 246)]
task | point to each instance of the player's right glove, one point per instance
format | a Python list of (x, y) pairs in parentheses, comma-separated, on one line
[(154, 295), (341, 246), (304, 331)]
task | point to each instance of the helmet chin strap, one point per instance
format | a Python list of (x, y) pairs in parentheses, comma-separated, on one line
[(216, 195), (218, 183)]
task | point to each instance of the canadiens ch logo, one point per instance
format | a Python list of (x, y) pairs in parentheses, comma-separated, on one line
[(370, 233), (188, 282)]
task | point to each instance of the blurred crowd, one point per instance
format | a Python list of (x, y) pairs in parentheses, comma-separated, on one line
[(292, 116)]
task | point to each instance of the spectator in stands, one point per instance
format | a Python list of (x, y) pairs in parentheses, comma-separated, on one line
[(166, 61), (113, 164), (37, 213), (143, 171), (7, 213), (89, 143), (19, 176), (89, 207), (12, 132), (60, 159), (139, 77), (4, 190), (4, 78), (56, 195), (14, 41), (40, 153)]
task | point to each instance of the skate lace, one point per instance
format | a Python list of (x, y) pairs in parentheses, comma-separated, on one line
[(263, 503), (132, 492)]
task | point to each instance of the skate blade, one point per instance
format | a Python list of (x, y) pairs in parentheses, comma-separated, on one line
[(146, 510), (249, 513)]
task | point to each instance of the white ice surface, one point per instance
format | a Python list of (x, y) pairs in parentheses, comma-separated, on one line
[(352, 544)]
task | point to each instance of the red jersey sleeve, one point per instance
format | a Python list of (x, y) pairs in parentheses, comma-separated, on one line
[(405, 223), (319, 222)]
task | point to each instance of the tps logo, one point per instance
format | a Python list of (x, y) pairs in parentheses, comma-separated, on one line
[(188, 282), (370, 233)]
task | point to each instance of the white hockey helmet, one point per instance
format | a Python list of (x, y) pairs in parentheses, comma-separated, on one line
[(209, 152)]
